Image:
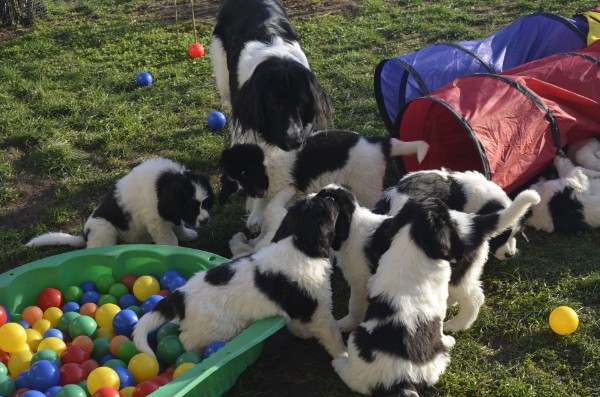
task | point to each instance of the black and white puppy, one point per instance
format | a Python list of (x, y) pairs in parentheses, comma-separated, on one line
[(290, 277), (468, 191), (361, 240), (585, 153), (263, 75), (571, 203), (153, 203), (343, 157), (399, 347)]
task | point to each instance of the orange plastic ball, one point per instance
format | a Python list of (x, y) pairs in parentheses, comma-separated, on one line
[(85, 342), (115, 343), (88, 309), (31, 314)]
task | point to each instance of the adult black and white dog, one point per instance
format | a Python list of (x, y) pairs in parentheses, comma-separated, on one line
[(362, 237), (336, 156), (263, 75), (153, 203), (410, 260), (571, 203), (289, 277), (467, 191)]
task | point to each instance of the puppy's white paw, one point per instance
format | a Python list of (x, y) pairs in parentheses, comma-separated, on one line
[(347, 324), (254, 223), (188, 235), (453, 326), (448, 341), (238, 245)]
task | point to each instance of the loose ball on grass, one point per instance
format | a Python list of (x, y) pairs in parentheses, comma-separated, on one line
[(144, 79), (563, 320), (216, 120)]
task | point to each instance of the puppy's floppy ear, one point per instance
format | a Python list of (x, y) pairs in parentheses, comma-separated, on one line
[(170, 190), (247, 109), (228, 188), (434, 232), (345, 201), (322, 102)]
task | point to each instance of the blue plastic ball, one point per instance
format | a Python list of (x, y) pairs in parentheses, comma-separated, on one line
[(53, 333), (216, 120), (24, 324), (128, 300), (169, 276), (124, 322), (125, 377), (22, 380), (88, 286), (90, 297), (176, 283), (51, 392), (212, 348), (150, 302), (143, 79), (107, 358), (43, 375), (33, 393), (70, 307)]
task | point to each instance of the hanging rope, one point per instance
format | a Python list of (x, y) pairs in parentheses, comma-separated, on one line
[(194, 22), (176, 22)]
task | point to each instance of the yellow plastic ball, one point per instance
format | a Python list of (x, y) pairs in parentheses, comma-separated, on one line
[(182, 369), (12, 337), (127, 391), (19, 361), (563, 320), (105, 315), (53, 314), (102, 377), (33, 339), (143, 366), (54, 344), (107, 333), (144, 287), (42, 325)]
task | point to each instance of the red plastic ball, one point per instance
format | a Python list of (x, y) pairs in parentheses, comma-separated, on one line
[(196, 50), (3, 315), (89, 365), (144, 388), (4, 357), (128, 281), (20, 392), (106, 392), (164, 292), (71, 373), (74, 354), (50, 297), (160, 380)]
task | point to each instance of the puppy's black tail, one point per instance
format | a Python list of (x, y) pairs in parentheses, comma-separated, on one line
[(56, 238), (170, 308)]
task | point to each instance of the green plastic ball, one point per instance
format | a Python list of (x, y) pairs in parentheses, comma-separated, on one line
[(65, 321), (115, 363), (48, 355), (127, 350), (137, 310), (83, 325), (101, 348), (73, 294), (3, 369), (7, 386), (104, 299), (169, 348), (71, 391), (188, 357), (118, 290), (104, 282), (166, 330)]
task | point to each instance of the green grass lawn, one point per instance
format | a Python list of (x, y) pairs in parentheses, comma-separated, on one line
[(72, 121)]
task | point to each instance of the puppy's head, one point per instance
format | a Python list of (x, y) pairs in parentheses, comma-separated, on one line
[(311, 223), (433, 231), (282, 101), (242, 168), (504, 245), (346, 201), (184, 197)]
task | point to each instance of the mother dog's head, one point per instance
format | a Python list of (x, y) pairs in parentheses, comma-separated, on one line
[(282, 101)]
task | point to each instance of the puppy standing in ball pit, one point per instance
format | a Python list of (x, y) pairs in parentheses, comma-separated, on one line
[(290, 277), (152, 203)]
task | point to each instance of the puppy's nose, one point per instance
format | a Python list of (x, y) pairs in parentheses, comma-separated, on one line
[(204, 221), (508, 255)]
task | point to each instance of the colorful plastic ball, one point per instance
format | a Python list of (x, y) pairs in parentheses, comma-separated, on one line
[(164, 293), (20, 392), (90, 297), (3, 357), (53, 314), (563, 320), (33, 339), (51, 392), (136, 309), (71, 373), (169, 276), (159, 380), (22, 380), (19, 361), (3, 369), (143, 366), (145, 287), (102, 377), (105, 315), (128, 300), (4, 315), (74, 354), (128, 280), (85, 342), (115, 363), (101, 348), (188, 357), (54, 333), (169, 348), (46, 355), (212, 348), (50, 297), (150, 302), (43, 375), (176, 283), (216, 121), (118, 290), (65, 321), (144, 79), (115, 343), (106, 392), (24, 324), (33, 393), (7, 386), (125, 377), (73, 294), (106, 358), (105, 299), (89, 309), (88, 286), (145, 388), (127, 391), (42, 325), (55, 344), (88, 366), (166, 330), (196, 51), (71, 307), (71, 391), (12, 337), (83, 325), (104, 282), (31, 314), (182, 369), (127, 351), (107, 333)]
